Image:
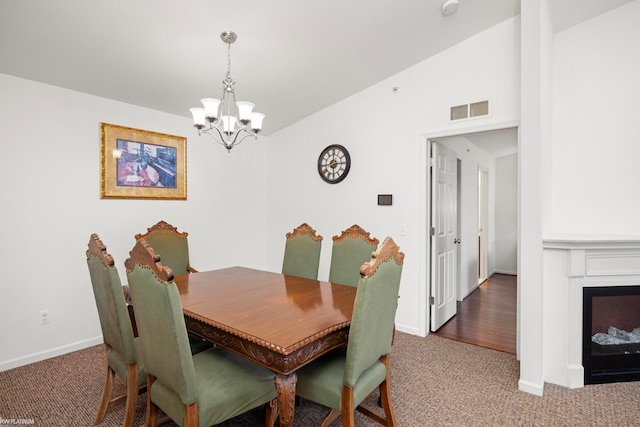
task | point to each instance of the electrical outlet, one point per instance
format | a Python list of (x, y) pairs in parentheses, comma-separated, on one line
[(44, 317)]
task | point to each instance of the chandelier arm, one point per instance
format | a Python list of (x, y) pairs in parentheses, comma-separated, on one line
[(248, 134), (228, 145), (235, 141), (215, 138)]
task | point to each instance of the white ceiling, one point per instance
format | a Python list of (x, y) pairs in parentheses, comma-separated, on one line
[(292, 57), (498, 143)]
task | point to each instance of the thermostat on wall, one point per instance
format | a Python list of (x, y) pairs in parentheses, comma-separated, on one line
[(385, 199)]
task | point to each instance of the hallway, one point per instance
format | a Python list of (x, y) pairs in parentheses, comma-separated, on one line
[(487, 317)]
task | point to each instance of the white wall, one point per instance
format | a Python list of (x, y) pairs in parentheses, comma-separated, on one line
[(385, 132), (596, 135), (51, 204), (506, 220), (594, 168)]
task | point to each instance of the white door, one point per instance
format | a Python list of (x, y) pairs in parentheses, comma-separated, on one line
[(444, 183)]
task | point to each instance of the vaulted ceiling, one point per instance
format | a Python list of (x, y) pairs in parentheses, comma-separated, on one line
[(292, 58)]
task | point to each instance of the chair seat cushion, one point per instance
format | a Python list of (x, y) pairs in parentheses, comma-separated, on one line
[(321, 381), (227, 385)]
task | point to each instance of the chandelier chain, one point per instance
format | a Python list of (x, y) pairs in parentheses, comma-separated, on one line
[(229, 59)]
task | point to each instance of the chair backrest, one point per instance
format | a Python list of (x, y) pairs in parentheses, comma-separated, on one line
[(115, 323), (350, 249), (162, 332), (302, 252), (171, 244), (374, 310)]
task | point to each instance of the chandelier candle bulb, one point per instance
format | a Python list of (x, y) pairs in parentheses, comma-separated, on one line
[(228, 124), (237, 120), (256, 122), (244, 111), (198, 117), (210, 108)]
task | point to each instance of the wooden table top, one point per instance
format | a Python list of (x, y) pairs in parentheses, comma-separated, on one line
[(275, 311)]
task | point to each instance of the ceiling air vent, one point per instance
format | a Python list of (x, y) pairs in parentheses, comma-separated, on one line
[(466, 111)]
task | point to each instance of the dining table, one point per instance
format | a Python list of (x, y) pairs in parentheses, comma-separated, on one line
[(279, 321)]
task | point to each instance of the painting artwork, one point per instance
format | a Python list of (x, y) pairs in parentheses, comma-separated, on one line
[(145, 165), (142, 164)]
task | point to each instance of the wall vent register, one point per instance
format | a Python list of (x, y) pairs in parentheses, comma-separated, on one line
[(466, 111)]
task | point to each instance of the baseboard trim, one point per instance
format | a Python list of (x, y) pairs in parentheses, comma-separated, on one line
[(575, 376), (508, 273), (527, 387), (470, 291), (48, 354), (408, 330)]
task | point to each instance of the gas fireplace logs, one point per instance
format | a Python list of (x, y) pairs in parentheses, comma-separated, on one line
[(617, 341)]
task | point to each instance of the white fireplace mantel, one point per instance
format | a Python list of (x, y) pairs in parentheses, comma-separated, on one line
[(572, 263)]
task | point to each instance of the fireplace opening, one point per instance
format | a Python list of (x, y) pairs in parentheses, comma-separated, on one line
[(611, 334)]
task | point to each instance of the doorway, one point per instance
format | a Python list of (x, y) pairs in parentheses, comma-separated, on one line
[(480, 241)]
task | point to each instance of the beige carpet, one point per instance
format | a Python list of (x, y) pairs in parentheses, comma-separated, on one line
[(435, 382)]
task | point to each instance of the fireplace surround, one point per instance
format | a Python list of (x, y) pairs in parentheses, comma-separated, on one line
[(573, 264)]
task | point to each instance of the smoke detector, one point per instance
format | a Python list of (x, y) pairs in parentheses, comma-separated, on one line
[(449, 7)]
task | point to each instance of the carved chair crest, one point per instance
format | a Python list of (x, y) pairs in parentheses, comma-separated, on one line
[(305, 230), (143, 255), (387, 250), (161, 227), (356, 232), (97, 248)]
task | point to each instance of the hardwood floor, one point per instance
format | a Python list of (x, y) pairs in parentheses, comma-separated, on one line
[(487, 317)]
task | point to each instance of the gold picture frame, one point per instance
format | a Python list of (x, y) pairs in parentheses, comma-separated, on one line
[(140, 164)]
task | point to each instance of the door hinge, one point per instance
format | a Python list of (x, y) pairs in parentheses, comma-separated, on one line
[(432, 300), (432, 231), (432, 161)]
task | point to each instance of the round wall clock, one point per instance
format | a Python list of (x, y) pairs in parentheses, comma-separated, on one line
[(334, 163)]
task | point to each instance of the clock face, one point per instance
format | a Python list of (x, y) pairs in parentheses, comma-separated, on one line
[(334, 163)]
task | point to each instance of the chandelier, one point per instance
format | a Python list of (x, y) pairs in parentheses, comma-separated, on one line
[(227, 120)]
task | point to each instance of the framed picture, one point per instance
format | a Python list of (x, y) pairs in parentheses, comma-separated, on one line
[(140, 164)]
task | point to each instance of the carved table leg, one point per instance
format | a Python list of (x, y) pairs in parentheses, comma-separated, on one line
[(286, 388)]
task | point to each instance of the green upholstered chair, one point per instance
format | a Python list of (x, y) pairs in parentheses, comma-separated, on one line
[(193, 390), (117, 332), (171, 244), (302, 252), (342, 379), (350, 250)]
